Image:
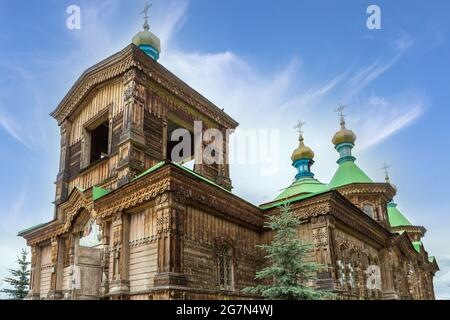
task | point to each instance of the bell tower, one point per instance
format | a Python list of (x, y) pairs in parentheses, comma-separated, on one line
[(120, 118)]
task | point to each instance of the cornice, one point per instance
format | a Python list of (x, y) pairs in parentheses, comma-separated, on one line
[(384, 189), (335, 204), (227, 204), (411, 229), (121, 62), (352, 216), (172, 179), (105, 70)]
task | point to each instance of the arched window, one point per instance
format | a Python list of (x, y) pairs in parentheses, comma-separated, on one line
[(91, 236), (368, 209), (225, 267)]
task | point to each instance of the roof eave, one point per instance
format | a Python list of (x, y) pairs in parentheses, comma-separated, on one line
[(138, 55)]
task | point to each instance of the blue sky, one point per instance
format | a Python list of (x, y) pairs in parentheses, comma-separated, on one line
[(268, 63)]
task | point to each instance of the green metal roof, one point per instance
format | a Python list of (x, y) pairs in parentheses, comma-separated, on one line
[(201, 177), (347, 173), (301, 187), (155, 167), (80, 189), (98, 193), (23, 232), (163, 163), (396, 218), (291, 200), (191, 172), (417, 245)]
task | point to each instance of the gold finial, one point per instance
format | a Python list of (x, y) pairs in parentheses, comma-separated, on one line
[(385, 169), (299, 128), (340, 112), (145, 14)]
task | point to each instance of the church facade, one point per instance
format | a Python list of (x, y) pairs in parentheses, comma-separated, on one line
[(132, 223)]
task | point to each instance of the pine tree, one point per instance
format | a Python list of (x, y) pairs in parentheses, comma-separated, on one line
[(19, 279), (288, 274)]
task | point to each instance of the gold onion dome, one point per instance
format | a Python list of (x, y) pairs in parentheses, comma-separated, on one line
[(344, 135), (147, 38), (302, 152)]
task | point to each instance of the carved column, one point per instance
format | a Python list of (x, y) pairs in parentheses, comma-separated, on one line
[(119, 282), (57, 269), (36, 258), (62, 180), (224, 168), (387, 282), (105, 260), (321, 232), (132, 140), (170, 212), (165, 138)]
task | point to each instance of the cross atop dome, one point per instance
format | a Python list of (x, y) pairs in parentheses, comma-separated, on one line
[(340, 112), (344, 139), (299, 128), (146, 40), (144, 13), (385, 169), (302, 157)]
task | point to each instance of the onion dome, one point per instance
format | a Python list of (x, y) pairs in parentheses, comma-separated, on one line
[(344, 135), (302, 160), (348, 172), (302, 152), (146, 40), (399, 223), (302, 157)]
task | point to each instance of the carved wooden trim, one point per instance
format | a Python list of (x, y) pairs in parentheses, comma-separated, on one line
[(122, 61)]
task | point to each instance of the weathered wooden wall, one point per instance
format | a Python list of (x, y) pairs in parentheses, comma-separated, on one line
[(143, 250), (95, 103), (202, 231), (46, 271)]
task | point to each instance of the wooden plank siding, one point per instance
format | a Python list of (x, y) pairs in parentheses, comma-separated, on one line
[(95, 103), (202, 230), (143, 250), (46, 271)]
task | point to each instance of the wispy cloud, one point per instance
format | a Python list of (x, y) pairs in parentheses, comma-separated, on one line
[(403, 42), (170, 21), (365, 76), (9, 124), (312, 95), (382, 117)]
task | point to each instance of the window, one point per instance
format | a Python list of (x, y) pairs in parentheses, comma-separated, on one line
[(180, 143), (225, 267), (368, 209), (99, 142)]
